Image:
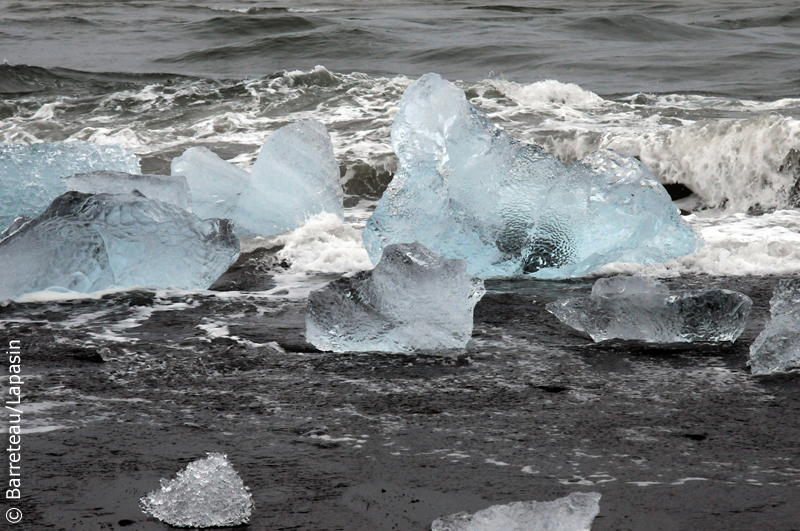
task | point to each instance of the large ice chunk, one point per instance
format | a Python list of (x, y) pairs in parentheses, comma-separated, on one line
[(85, 243), (777, 348), (467, 190), (207, 493), (294, 177), (30, 175), (167, 188), (412, 300), (638, 308), (575, 512)]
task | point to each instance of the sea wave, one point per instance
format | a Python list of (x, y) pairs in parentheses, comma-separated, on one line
[(730, 152)]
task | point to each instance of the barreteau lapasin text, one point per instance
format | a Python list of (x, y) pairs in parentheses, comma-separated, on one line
[(13, 402)]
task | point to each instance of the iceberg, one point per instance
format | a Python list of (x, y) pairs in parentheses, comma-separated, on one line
[(575, 512), (412, 300), (167, 188), (207, 493), (294, 177), (31, 175), (467, 190), (643, 309), (777, 348), (86, 242)]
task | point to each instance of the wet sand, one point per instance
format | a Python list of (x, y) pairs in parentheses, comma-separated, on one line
[(674, 438)]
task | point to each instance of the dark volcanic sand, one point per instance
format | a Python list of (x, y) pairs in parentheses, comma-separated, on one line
[(531, 411)]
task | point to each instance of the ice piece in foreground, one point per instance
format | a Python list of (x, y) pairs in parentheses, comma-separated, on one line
[(294, 177), (30, 175), (207, 493), (412, 300), (777, 348), (467, 190), (167, 188), (643, 309), (575, 512), (85, 243)]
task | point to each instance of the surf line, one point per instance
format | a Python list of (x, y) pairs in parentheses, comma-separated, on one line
[(12, 400)]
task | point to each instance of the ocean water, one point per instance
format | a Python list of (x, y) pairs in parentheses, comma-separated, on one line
[(707, 95)]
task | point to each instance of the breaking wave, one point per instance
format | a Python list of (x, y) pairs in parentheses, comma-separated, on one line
[(730, 152)]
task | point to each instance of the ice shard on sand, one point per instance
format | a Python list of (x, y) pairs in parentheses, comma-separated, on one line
[(777, 347), (467, 190), (412, 300), (86, 242), (207, 493), (31, 175), (575, 512), (294, 177), (643, 309)]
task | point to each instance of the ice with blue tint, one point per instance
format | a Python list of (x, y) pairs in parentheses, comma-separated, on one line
[(644, 309), (777, 347), (215, 184), (31, 175), (467, 190), (294, 178), (167, 188), (207, 493), (85, 243), (575, 512), (412, 300)]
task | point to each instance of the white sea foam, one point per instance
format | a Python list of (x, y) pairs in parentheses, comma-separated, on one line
[(737, 244), (325, 244)]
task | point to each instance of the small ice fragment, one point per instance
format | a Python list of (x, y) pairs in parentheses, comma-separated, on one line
[(85, 243), (465, 189), (777, 348), (207, 493), (30, 175), (575, 512), (294, 178), (636, 308), (167, 188), (412, 300)]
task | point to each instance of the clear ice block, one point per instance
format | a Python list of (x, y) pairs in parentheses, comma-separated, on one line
[(412, 300), (643, 309)]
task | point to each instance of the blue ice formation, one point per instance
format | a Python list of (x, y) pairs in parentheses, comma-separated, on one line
[(412, 300), (644, 309), (467, 190), (31, 175), (777, 347), (167, 188), (294, 177), (85, 243)]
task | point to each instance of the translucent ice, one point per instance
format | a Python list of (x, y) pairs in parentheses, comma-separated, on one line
[(30, 175), (467, 190), (777, 348), (294, 177), (215, 184), (85, 243), (207, 493), (643, 309), (167, 188), (575, 512), (412, 300)]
